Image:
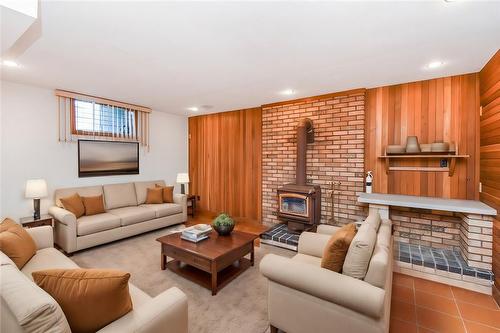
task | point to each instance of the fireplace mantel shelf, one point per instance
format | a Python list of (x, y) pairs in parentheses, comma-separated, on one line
[(449, 205)]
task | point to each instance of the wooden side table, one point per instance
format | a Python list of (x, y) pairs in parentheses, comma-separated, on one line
[(192, 198), (30, 222)]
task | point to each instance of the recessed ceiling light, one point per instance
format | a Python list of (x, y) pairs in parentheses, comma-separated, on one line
[(435, 64), (288, 92), (10, 63), (193, 108)]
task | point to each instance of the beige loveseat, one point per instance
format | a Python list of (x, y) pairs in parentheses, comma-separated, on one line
[(303, 297), (126, 215), (26, 307)]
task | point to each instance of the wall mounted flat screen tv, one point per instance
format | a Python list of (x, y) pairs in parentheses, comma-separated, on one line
[(107, 158)]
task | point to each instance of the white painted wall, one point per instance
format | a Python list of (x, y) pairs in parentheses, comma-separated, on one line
[(29, 149)]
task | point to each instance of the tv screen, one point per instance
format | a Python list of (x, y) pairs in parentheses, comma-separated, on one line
[(107, 158)]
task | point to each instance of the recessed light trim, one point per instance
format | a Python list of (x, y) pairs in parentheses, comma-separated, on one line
[(10, 63), (288, 92), (193, 109), (435, 64)]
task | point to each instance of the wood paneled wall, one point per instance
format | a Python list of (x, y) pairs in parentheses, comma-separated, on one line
[(225, 157), (439, 109), (490, 152)]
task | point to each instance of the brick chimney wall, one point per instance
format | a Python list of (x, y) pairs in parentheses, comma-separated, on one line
[(337, 155)]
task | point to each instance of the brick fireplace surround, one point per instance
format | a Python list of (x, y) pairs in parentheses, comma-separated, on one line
[(336, 155)]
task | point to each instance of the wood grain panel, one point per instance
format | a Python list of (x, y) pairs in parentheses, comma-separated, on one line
[(439, 109), (490, 152), (225, 154)]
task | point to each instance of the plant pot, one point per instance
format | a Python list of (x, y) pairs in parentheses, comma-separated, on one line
[(224, 230)]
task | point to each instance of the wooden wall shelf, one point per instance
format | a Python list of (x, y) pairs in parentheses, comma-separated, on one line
[(451, 158)]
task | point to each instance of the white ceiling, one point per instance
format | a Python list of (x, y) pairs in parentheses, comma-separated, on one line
[(231, 55)]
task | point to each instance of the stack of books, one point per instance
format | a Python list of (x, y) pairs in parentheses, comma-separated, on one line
[(196, 233)]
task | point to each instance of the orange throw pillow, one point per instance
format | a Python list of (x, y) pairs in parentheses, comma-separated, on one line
[(154, 196), (93, 205), (74, 204), (168, 193), (89, 298), (336, 249), (16, 243)]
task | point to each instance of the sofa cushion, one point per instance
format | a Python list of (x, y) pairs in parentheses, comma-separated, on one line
[(132, 215), (90, 298), (93, 205), (119, 195), (154, 196), (86, 191), (360, 252), (336, 248), (45, 259), (28, 305), (142, 187), (16, 243), (380, 260), (87, 225), (164, 209), (74, 204)]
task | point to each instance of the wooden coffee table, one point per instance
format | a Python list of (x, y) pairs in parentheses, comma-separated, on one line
[(211, 263)]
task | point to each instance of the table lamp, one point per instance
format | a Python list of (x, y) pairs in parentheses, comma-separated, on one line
[(183, 178), (36, 189)]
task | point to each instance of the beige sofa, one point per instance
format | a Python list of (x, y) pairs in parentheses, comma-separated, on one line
[(126, 215), (303, 297), (26, 307)]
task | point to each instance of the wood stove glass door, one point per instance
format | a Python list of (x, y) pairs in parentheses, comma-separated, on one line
[(294, 204)]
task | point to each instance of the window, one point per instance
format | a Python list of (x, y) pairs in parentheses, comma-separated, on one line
[(83, 116), (103, 120)]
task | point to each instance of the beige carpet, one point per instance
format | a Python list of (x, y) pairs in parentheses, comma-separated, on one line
[(241, 306)]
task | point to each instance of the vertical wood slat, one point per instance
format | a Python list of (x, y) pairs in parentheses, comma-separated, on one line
[(489, 147), (225, 157), (439, 109)]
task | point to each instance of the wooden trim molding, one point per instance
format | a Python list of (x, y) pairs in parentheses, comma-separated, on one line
[(101, 100), (315, 98)]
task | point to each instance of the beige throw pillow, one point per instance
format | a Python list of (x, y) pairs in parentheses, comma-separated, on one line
[(16, 243), (90, 298), (360, 252), (336, 248)]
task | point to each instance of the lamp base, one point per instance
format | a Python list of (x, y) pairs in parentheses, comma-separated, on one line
[(36, 206), (183, 189)]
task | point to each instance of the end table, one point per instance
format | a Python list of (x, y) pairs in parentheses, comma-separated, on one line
[(192, 199), (30, 222)]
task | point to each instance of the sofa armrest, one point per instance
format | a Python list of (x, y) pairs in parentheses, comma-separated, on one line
[(63, 216), (181, 199), (327, 229), (43, 236), (65, 227), (330, 286), (312, 244), (166, 313)]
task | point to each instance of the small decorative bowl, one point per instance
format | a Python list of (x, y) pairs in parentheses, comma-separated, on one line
[(395, 149), (440, 147), (224, 230)]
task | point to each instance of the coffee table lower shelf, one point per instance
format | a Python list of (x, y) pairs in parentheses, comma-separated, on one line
[(204, 279)]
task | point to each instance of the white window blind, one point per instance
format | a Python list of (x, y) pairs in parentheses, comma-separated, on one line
[(83, 116)]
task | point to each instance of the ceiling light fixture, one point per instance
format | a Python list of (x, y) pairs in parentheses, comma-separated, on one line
[(193, 109), (288, 92), (10, 63), (435, 64)]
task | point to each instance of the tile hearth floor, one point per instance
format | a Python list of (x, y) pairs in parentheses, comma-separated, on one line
[(424, 306)]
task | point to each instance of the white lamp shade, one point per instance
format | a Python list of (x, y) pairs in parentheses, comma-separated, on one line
[(182, 178), (36, 188)]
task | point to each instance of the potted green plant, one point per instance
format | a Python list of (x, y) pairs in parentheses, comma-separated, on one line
[(223, 224)]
